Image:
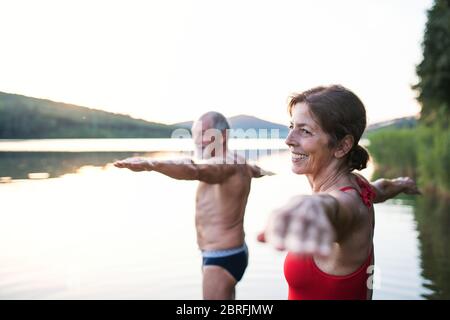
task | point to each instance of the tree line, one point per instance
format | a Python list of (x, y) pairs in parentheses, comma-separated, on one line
[(30, 118)]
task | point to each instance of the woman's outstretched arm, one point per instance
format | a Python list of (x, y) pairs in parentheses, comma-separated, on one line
[(389, 188), (311, 223)]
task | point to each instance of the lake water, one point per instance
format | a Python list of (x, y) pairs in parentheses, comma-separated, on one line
[(92, 231)]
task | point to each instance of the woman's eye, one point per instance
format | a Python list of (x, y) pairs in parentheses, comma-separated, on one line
[(302, 130), (305, 131)]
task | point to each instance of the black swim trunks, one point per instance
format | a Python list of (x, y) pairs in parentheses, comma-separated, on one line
[(233, 260)]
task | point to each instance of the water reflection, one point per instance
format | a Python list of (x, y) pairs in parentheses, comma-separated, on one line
[(18, 165), (433, 223)]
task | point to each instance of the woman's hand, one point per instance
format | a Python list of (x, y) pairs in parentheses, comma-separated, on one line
[(302, 225), (407, 185), (135, 164)]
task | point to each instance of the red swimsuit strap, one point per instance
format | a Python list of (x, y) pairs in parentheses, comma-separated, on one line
[(367, 193), (348, 188)]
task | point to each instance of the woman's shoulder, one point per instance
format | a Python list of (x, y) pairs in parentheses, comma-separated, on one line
[(350, 182), (353, 195), (359, 177)]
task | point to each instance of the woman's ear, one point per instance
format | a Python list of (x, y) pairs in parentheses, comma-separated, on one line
[(344, 146)]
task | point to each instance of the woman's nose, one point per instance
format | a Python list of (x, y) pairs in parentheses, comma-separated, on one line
[(290, 140)]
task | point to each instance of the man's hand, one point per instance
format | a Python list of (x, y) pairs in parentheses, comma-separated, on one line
[(407, 185), (135, 164), (258, 172), (301, 226)]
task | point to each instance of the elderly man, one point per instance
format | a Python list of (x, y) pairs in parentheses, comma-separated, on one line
[(222, 193)]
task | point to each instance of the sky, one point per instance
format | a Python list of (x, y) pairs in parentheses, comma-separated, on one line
[(172, 60)]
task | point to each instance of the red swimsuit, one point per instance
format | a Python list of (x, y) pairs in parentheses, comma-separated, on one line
[(307, 282)]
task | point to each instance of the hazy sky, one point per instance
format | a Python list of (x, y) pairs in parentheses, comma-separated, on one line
[(170, 61)]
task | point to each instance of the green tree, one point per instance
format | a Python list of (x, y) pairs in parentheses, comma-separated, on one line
[(434, 70)]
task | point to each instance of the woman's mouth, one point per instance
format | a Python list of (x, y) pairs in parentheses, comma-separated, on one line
[(298, 157)]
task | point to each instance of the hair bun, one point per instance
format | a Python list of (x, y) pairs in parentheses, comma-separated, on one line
[(358, 158)]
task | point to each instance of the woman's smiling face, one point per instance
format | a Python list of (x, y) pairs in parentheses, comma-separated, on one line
[(308, 143)]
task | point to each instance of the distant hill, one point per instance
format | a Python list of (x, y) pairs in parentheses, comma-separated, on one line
[(399, 123), (246, 122), (24, 117)]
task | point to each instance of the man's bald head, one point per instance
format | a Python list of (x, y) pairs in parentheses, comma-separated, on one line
[(210, 134), (215, 120)]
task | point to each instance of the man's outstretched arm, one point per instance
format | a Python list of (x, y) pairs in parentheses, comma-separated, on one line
[(389, 188), (183, 169)]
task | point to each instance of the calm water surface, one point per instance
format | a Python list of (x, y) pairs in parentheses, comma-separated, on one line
[(92, 231)]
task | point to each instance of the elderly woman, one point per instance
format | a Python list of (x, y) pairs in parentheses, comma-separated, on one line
[(329, 234)]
